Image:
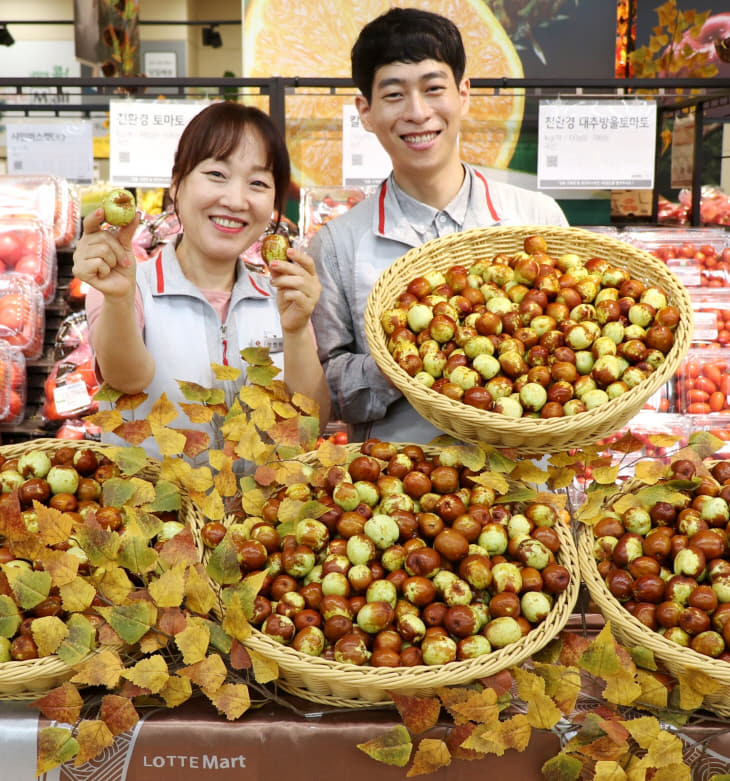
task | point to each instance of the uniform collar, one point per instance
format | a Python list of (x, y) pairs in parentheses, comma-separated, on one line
[(169, 279), (402, 218)]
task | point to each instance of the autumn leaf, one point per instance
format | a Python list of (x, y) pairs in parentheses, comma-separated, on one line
[(134, 431), (529, 473), (62, 704), (694, 685), (93, 738), (456, 737), (392, 748), (431, 754), (239, 657), (193, 640), (562, 684), (60, 565), (231, 699), (79, 642), (494, 480), (161, 412), (600, 658), (130, 622), (418, 714), (607, 475), (53, 525), (168, 589), (176, 691), (136, 555), (10, 618), (199, 595), (653, 692), (622, 688), (470, 705), (150, 673), (197, 413), (606, 770), (542, 712), (307, 405), (113, 583), (106, 420), (501, 682), (235, 621), (223, 566), (209, 673), (102, 669), (56, 745), (169, 441), (562, 768), (76, 595), (627, 443), (29, 587), (118, 713), (48, 632)]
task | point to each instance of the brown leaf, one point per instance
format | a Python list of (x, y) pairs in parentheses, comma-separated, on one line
[(239, 656), (62, 704), (456, 737), (171, 620), (180, 549), (417, 713), (196, 442), (135, 432), (12, 525), (604, 749), (501, 682)]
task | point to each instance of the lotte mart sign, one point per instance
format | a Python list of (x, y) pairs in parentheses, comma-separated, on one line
[(599, 144)]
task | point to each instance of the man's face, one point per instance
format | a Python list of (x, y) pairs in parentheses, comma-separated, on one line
[(415, 111)]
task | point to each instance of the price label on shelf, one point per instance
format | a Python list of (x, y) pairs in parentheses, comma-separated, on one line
[(364, 161), (61, 147), (143, 136), (596, 144)]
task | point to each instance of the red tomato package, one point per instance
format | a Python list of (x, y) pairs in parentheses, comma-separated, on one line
[(15, 379), (22, 314), (26, 247), (70, 387)]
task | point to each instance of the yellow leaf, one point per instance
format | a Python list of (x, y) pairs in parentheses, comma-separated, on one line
[(225, 482), (175, 470), (479, 706), (169, 441), (200, 479), (622, 688), (650, 472), (151, 642), (102, 669), (48, 632), (197, 413), (693, 686), (516, 732), (663, 440), (113, 583), (253, 501), (392, 748), (176, 691), (606, 475), (643, 729), (284, 409), (150, 673), (676, 772), (212, 507), (235, 622), (608, 771), (494, 480), (93, 737), (56, 745), (265, 670), (560, 477), (106, 420), (219, 459), (431, 754), (527, 471), (653, 692), (162, 412), (330, 454), (168, 589), (53, 525), (626, 502), (486, 739), (542, 712), (307, 405), (77, 595), (210, 673), (666, 750), (562, 684), (199, 596), (231, 699), (225, 373), (193, 640), (558, 501), (60, 565)]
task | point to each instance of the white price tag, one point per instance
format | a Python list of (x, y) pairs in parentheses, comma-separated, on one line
[(61, 147), (143, 137), (364, 161), (600, 144), (71, 397)]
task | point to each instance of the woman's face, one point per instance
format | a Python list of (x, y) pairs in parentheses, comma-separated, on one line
[(225, 205)]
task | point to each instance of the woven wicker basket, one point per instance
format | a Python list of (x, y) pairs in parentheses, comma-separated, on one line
[(27, 680), (351, 686), (526, 435), (630, 632)]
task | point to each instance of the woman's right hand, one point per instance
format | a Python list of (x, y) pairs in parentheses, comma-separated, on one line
[(105, 258)]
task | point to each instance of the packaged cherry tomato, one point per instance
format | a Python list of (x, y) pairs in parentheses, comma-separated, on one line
[(14, 376), (711, 317), (22, 314), (319, 205), (27, 247), (703, 382)]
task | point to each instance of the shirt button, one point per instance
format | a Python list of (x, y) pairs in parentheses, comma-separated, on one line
[(442, 218)]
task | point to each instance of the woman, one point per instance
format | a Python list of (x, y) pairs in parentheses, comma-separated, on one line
[(168, 319)]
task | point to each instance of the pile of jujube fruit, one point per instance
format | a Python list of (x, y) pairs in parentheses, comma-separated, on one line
[(410, 561), (530, 334)]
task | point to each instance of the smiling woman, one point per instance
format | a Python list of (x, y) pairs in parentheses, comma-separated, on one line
[(315, 41)]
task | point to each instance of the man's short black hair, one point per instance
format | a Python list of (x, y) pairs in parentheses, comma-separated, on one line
[(405, 35)]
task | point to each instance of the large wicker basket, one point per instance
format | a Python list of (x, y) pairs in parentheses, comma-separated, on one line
[(630, 632), (27, 680), (351, 686), (526, 435)]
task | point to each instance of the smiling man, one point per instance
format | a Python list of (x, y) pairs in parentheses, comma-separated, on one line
[(409, 66)]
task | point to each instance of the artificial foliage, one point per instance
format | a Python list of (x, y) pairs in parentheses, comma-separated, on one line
[(174, 618)]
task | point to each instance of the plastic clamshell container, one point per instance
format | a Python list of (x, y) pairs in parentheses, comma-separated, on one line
[(16, 378), (703, 382), (22, 314), (318, 205), (27, 247), (711, 317), (52, 199), (700, 257)]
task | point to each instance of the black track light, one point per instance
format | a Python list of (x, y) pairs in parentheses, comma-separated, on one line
[(6, 39), (211, 37)]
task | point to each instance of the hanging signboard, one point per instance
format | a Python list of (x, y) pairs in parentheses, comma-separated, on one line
[(62, 147), (143, 136), (683, 152), (364, 161), (596, 144)]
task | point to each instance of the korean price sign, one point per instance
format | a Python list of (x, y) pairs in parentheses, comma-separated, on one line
[(596, 144)]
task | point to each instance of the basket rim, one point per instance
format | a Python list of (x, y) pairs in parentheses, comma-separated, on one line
[(665, 650), (393, 279), (322, 672)]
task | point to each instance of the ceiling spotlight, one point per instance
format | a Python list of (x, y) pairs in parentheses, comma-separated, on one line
[(6, 39), (211, 37)]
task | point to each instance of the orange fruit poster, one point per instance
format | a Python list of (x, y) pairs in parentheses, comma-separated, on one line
[(291, 38)]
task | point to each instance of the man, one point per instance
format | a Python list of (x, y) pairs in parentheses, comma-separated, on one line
[(409, 67)]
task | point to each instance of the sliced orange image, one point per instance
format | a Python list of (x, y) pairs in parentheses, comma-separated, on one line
[(290, 38)]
